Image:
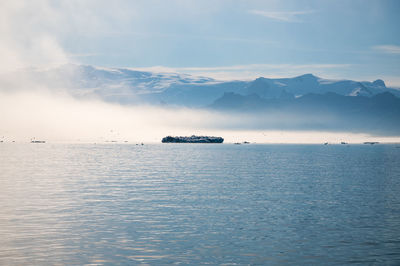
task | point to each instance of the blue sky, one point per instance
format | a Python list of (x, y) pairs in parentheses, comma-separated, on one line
[(353, 39)]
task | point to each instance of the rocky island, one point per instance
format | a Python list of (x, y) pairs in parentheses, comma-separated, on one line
[(192, 139)]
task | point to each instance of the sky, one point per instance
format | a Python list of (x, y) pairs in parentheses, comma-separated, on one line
[(225, 39)]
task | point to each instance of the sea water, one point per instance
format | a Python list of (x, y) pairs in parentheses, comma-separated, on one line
[(192, 204)]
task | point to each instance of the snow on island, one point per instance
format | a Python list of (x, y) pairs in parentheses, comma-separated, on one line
[(192, 139)]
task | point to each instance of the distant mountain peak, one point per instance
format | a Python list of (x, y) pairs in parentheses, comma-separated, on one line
[(260, 79), (308, 76), (379, 83)]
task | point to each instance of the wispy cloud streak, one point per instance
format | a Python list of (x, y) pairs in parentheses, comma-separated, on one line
[(284, 16), (388, 49)]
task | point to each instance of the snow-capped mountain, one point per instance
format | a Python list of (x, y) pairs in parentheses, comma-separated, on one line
[(110, 84), (125, 85), (308, 83)]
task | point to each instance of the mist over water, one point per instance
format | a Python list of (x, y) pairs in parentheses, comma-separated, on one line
[(59, 117), (64, 118)]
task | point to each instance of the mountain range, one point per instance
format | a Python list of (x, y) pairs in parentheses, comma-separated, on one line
[(360, 106), (125, 85)]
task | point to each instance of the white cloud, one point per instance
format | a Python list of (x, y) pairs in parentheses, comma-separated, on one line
[(32, 31), (26, 38), (388, 49), (284, 16)]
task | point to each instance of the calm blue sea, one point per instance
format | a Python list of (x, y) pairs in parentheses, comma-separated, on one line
[(192, 204)]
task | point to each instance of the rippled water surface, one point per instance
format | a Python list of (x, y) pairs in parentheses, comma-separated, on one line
[(199, 204)]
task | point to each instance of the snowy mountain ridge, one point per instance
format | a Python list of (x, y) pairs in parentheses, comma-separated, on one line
[(128, 85)]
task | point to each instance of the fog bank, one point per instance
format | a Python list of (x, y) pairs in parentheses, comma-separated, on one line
[(54, 117)]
